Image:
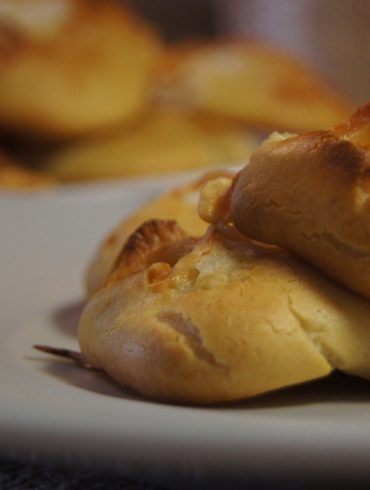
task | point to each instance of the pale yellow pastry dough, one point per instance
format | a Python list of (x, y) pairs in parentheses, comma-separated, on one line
[(219, 318), (179, 204)]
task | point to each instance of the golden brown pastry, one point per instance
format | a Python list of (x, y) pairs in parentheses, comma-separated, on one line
[(219, 318), (15, 177), (70, 67), (166, 140), (310, 195), (251, 82), (179, 204)]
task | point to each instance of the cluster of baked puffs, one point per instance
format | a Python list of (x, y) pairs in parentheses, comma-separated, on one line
[(89, 90)]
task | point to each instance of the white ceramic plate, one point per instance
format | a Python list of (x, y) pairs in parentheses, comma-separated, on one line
[(51, 407)]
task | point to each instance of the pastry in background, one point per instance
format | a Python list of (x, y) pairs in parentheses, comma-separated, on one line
[(166, 140), (250, 82), (179, 204), (13, 176), (71, 67), (219, 318)]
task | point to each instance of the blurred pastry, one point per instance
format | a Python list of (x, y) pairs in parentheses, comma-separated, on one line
[(250, 82), (13, 176), (219, 318), (166, 140), (70, 67), (179, 204)]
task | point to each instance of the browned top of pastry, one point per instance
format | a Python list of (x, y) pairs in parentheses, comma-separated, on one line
[(178, 204), (310, 195)]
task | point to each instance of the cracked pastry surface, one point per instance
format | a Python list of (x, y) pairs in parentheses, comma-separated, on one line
[(87, 65), (310, 195), (179, 204), (219, 318)]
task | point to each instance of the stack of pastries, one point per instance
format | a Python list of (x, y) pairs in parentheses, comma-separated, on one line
[(275, 292), (90, 91)]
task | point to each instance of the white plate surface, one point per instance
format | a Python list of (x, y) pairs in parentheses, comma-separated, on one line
[(51, 407)]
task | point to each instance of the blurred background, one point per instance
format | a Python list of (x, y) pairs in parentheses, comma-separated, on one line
[(93, 90), (331, 35)]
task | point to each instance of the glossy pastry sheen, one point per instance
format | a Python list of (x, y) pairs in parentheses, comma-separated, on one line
[(310, 195)]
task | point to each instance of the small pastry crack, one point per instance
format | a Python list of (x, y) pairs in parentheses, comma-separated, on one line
[(190, 332), (316, 334)]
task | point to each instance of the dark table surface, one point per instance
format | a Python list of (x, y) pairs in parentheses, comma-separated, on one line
[(35, 475), (27, 475)]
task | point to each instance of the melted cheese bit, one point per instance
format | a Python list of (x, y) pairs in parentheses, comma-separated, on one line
[(213, 202)]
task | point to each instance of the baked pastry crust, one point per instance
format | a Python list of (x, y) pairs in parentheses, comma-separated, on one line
[(179, 204), (252, 82), (222, 319), (310, 195), (71, 67)]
